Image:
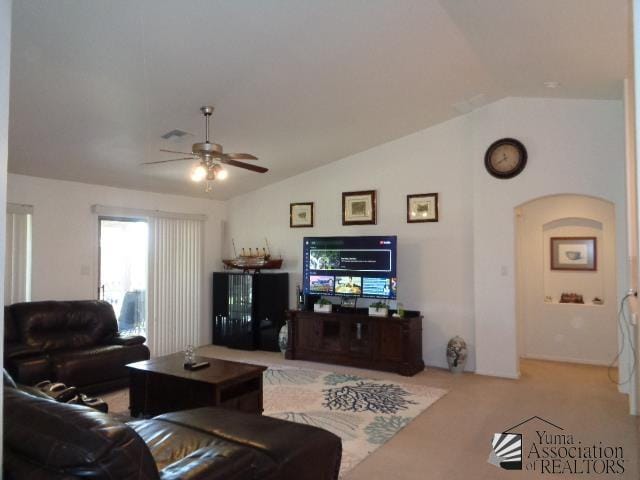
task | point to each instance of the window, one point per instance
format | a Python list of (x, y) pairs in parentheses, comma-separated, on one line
[(17, 277)]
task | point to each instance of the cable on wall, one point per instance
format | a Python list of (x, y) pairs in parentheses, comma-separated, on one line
[(625, 330)]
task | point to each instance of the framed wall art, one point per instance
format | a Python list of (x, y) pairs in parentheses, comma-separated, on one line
[(301, 215), (574, 253), (359, 208), (422, 207)]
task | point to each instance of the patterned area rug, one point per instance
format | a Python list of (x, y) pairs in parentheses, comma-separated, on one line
[(365, 413)]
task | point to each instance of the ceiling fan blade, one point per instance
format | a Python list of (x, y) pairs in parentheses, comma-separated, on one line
[(166, 161), (173, 151), (248, 166), (241, 156)]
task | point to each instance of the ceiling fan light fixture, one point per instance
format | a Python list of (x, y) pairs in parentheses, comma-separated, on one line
[(222, 174), (199, 173)]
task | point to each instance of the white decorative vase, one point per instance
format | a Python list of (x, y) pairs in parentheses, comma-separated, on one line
[(457, 354), (283, 337)]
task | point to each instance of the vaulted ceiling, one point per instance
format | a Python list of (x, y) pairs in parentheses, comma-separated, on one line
[(95, 84)]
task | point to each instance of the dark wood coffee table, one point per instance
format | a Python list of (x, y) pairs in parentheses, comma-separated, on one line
[(162, 385)]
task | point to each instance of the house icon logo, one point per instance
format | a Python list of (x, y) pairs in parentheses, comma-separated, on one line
[(506, 447), (506, 451)]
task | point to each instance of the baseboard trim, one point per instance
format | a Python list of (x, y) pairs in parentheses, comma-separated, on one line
[(444, 366), (487, 373), (552, 358)]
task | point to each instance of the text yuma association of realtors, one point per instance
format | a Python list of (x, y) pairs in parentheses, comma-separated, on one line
[(562, 454)]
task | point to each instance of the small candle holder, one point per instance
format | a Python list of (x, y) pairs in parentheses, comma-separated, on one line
[(189, 357)]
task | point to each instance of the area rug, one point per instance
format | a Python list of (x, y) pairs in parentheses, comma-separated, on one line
[(365, 413)]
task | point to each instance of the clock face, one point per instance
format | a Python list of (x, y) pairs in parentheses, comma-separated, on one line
[(506, 158)]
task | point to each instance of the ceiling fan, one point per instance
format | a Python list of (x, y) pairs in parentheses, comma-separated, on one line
[(211, 158)]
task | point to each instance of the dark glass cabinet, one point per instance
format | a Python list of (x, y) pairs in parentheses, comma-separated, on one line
[(249, 309)]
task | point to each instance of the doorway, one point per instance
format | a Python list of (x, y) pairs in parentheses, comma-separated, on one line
[(567, 307), (122, 279)]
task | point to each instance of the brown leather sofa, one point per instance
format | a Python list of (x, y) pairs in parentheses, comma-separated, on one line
[(74, 342), (44, 439)]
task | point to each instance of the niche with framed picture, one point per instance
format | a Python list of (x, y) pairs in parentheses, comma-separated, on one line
[(572, 262)]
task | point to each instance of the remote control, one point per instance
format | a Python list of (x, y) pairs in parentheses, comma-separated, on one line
[(197, 366)]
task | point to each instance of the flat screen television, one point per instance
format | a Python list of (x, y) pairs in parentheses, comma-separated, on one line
[(350, 266)]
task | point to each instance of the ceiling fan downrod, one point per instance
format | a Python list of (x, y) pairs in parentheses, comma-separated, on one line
[(207, 111)]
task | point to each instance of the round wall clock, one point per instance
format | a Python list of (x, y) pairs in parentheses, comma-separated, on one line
[(505, 158)]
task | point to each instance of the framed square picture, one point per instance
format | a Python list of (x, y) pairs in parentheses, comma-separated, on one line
[(574, 253), (422, 207), (359, 208), (301, 215)]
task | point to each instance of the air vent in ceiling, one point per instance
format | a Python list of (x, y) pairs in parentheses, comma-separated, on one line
[(173, 134)]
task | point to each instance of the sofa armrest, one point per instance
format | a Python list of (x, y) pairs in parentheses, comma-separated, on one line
[(302, 452), (126, 340), (17, 350)]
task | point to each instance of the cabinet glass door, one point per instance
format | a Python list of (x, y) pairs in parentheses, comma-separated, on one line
[(240, 306), (359, 337), (331, 334)]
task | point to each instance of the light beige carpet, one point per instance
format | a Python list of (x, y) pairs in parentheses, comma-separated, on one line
[(451, 440), (364, 413)]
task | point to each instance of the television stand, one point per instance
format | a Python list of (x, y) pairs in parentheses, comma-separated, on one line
[(357, 340)]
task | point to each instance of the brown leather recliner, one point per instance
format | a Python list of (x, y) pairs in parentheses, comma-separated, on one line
[(73, 342), (44, 439)]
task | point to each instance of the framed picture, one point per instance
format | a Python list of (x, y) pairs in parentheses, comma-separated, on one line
[(301, 215), (574, 253), (359, 208), (422, 207)]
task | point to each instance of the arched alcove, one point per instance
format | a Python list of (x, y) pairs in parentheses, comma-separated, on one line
[(548, 328)]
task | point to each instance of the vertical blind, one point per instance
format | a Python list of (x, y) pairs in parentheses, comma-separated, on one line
[(175, 284), (17, 274)]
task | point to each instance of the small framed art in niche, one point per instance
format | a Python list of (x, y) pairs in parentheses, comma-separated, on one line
[(574, 253), (301, 215)]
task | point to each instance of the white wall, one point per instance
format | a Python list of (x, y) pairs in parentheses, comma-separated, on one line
[(65, 233), (582, 333), (574, 146), (5, 53), (435, 264), (460, 271)]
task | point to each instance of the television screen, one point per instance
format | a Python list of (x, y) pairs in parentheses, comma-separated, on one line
[(350, 266)]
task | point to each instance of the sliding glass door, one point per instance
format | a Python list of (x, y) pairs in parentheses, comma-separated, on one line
[(123, 271)]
